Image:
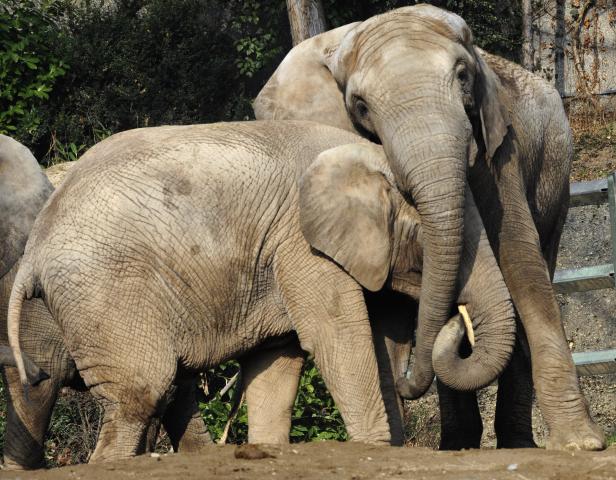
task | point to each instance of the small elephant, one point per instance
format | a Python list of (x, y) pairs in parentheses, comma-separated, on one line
[(23, 190), (449, 115), (171, 249)]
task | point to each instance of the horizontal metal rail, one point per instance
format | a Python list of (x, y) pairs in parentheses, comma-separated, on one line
[(584, 279), (601, 362)]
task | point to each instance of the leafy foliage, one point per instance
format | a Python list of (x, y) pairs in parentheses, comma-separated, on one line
[(29, 67), (315, 416), (257, 44), (216, 409)]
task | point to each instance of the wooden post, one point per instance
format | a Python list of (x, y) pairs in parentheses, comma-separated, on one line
[(306, 18)]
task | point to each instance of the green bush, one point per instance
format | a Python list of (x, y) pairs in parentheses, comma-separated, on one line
[(152, 62), (29, 67), (315, 416)]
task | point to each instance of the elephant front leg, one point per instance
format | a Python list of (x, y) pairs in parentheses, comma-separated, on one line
[(514, 403), (271, 378), (461, 425), (526, 274), (327, 310), (392, 316)]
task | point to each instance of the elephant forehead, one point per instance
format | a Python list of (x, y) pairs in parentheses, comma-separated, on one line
[(418, 19)]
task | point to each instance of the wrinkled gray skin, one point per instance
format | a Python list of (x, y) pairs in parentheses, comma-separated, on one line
[(169, 250), (449, 114), (23, 190)]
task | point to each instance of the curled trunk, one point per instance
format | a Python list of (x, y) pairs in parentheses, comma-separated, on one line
[(483, 290)]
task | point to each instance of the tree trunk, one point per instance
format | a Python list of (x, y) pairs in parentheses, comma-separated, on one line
[(306, 19), (527, 35)]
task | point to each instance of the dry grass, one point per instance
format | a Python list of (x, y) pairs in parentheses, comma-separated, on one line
[(594, 135)]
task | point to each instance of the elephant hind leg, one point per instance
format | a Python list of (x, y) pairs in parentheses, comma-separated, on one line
[(131, 397), (122, 435), (271, 379), (183, 422)]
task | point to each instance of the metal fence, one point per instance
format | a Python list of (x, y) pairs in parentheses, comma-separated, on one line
[(594, 277)]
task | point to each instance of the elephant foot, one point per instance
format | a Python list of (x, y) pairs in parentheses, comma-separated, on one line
[(12, 465), (585, 436)]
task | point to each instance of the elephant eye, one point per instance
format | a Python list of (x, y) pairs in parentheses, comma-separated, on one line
[(361, 108), (462, 74)]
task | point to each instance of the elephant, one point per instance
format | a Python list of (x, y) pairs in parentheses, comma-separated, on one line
[(450, 115), (171, 249), (23, 190)]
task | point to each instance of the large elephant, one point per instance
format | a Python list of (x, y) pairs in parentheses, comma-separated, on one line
[(23, 190), (449, 114), (168, 250)]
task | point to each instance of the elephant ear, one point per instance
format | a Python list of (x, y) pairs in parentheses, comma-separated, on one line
[(303, 86), (489, 94), (24, 188), (346, 210)]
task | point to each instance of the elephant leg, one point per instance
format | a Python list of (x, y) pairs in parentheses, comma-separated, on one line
[(514, 401), (461, 425), (392, 317), (27, 421), (131, 397), (151, 437), (327, 310), (182, 419), (123, 434), (527, 276), (271, 378)]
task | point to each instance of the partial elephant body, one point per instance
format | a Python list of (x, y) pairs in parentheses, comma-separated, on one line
[(27, 421), (23, 191), (171, 249), (445, 110)]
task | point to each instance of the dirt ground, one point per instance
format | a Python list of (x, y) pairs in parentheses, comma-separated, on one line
[(351, 461)]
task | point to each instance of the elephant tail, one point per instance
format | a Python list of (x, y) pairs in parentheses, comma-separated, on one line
[(23, 288), (34, 373)]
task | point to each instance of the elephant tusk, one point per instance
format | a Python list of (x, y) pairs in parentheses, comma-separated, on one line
[(468, 324)]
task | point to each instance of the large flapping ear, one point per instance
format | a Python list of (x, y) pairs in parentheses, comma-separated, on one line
[(490, 100), (346, 210), (303, 86), (24, 188)]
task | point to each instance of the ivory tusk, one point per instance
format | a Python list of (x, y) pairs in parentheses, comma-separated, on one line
[(468, 324)]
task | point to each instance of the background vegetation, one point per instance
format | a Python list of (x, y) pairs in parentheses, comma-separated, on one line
[(74, 72)]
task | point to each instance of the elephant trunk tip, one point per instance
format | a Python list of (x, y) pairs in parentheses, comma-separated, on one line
[(411, 389)]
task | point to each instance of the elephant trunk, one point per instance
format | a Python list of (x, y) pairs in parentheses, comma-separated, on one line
[(429, 165), (487, 299)]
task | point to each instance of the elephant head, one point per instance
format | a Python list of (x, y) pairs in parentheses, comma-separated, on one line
[(24, 188), (411, 80), (351, 210)]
